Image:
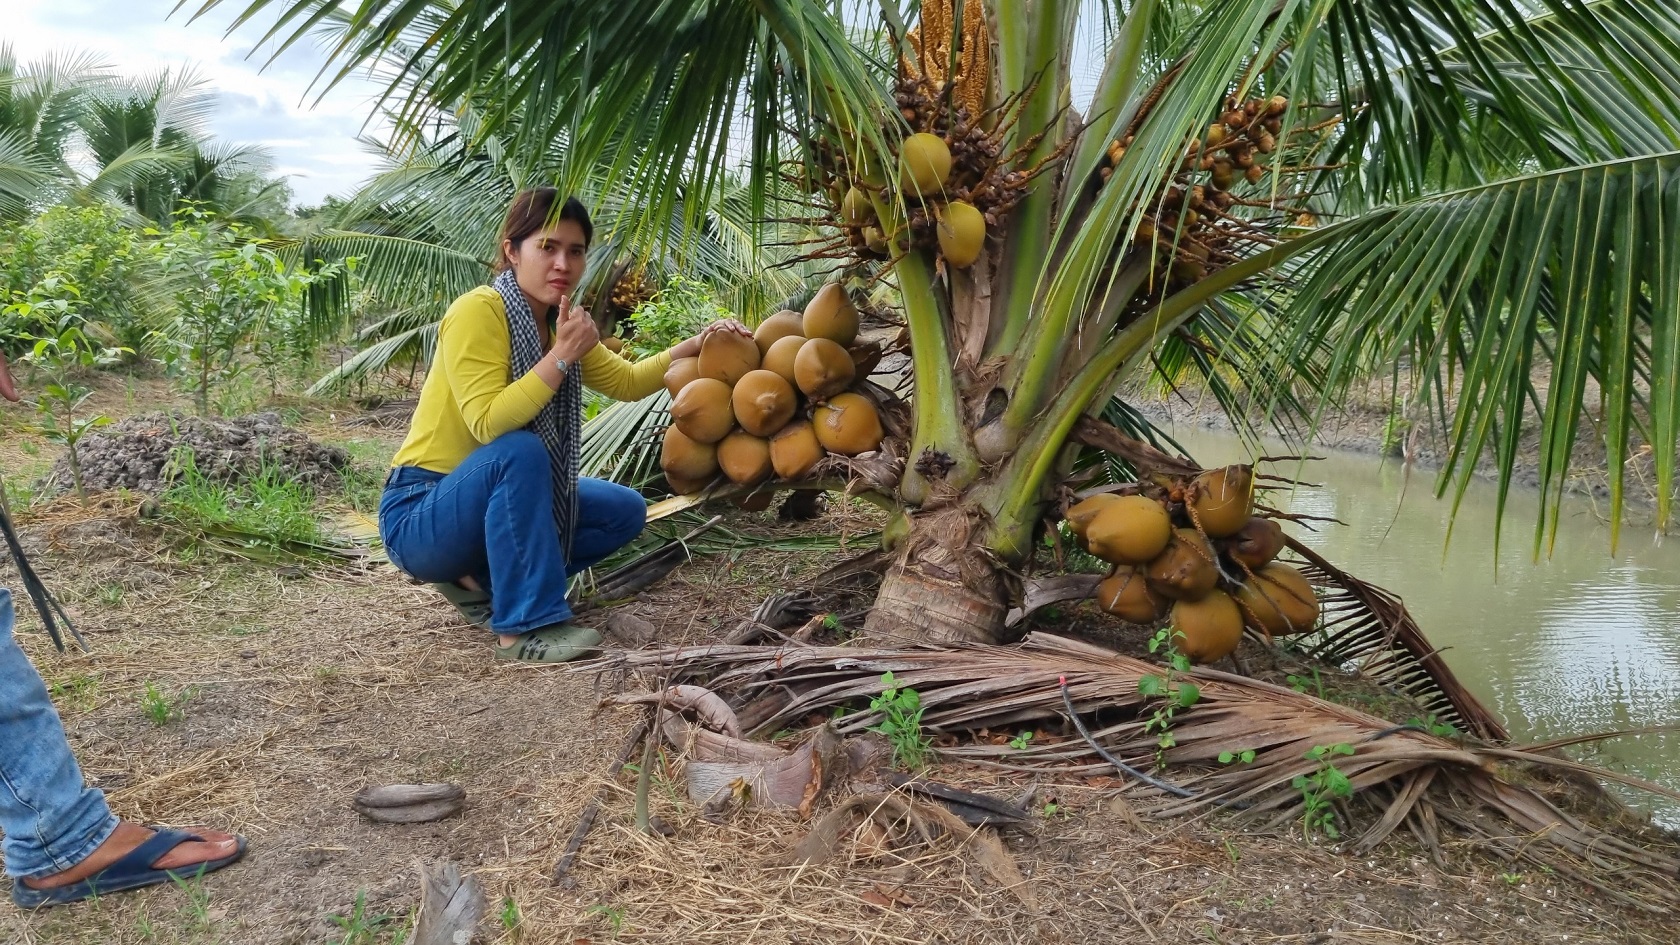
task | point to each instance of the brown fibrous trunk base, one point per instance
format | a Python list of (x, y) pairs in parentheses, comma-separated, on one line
[(919, 604)]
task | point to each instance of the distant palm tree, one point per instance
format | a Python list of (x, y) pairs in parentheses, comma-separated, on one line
[(1285, 193), (40, 106), (72, 130)]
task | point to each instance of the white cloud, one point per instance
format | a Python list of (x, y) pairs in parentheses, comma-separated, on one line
[(310, 135)]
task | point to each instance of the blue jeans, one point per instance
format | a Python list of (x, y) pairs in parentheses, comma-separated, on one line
[(493, 518), (51, 821)]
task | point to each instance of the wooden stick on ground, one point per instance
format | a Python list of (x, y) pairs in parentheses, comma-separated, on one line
[(586, 821)]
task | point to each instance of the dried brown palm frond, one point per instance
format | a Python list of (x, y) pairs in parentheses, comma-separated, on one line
[(1399, 775), (1370, 628)]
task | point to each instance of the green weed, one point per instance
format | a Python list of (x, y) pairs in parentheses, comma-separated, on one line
[(76, 690), (613, 916), (362, 927), (162, 709), (1321, 789), (1175, 694), (510, 915), (1435, 726), (901, 723), (1299, 683)]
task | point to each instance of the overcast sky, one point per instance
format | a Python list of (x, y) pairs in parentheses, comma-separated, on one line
[(313, 144)]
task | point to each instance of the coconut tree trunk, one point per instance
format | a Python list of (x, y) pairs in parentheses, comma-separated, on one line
[(943, 588)]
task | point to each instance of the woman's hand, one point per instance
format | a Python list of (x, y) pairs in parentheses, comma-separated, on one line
[(691, 347), (575, 333)]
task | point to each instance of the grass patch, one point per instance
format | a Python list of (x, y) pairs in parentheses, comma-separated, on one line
[(270, 509), (162, 709), (363, 926)]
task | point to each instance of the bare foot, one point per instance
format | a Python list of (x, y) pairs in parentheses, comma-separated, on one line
[(129, 836)]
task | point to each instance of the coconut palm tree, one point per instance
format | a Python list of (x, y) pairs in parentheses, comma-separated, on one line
[(1290, 192), (40, 104)]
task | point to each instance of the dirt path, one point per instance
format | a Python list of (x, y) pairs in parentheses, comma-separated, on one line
[(292, 688)]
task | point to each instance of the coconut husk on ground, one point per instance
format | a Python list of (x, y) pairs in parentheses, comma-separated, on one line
[(144, 453)]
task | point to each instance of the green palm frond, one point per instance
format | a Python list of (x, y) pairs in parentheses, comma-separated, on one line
[(24, 173), (1519, 292)]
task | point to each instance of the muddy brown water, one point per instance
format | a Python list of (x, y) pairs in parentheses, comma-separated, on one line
[(1577, 642)]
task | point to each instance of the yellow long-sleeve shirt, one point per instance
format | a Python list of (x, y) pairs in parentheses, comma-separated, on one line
[(467, 400)]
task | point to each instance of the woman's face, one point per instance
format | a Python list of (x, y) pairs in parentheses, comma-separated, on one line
[(549, 263)]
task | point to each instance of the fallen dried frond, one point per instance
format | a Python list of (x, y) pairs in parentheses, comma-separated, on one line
[(1403, 774)]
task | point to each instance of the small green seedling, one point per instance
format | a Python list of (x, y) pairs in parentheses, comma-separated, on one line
[(901, 723), (1174, 693), (1321, 789)]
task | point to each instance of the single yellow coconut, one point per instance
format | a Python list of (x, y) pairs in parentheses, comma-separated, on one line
[(686, 459), (795, 450), (703, 410), (848, 425), (855, 208), (1207, 629), (822, 368), (781, 355), (924, 164), (1080, 515), (1185, 570), (1130, 530), (764, 402), (726, 356), (962, 234), (745, 458), (1278, 601), (1221, 500), (1125, 594), (830, 315), (778, 326), (681, 371), (1257, 543)]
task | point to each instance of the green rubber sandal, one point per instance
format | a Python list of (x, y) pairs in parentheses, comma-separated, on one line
[(474, 606), (557, 644)]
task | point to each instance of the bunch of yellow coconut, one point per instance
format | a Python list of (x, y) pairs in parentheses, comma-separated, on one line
[(774, 405), (872, 211), (1210, 576)]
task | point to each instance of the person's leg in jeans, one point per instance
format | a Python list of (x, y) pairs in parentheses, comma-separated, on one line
[(58, 831), (492, 517), (609, 517), (51, 821)]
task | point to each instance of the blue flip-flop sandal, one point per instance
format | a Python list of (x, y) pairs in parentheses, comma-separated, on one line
[(133, 871)]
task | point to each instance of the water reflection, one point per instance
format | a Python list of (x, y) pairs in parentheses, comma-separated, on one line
[(1574, 643)]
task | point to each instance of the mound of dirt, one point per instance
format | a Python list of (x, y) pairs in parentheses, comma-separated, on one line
[(143, 452)]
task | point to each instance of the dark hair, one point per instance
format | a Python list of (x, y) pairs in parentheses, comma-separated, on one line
[(532, 210)]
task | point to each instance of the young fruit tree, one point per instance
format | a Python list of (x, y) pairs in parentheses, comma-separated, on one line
[(1280, 194)]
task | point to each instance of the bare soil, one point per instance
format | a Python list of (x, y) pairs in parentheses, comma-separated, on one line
[(294, 687)]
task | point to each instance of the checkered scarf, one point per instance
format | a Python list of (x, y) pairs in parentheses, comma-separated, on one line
[(560, 421)]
